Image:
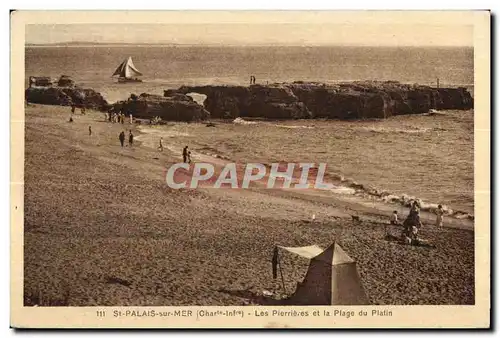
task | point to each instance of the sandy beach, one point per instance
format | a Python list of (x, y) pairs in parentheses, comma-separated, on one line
[(101, 226)]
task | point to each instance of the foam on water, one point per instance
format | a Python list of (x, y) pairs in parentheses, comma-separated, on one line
[(409, 130), (293, 127), (343, 190)]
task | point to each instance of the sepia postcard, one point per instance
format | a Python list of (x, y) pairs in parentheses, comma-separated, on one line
[(250, 169)]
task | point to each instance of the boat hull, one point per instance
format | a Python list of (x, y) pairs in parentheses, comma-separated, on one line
[(127, 80)]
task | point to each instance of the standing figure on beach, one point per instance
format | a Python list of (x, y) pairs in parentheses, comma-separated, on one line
[(131, 118), (73, 109), (439, 217), (90, 131), (394, 218), (83, 110), (251, 79), (189, 157), (414, 209), (185, 154), (160, 148), (412, 223), (122, 138), (130, 138)]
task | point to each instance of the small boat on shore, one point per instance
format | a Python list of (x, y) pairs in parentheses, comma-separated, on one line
[(127, 72)]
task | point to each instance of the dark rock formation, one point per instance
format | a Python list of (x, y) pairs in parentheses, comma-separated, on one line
[(178, 107), (42, 81), (66, 96), (355, 100), (255, 101), (65, 81), (177, 96)]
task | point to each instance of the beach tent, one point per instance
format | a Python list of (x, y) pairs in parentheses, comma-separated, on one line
[(332, 278)]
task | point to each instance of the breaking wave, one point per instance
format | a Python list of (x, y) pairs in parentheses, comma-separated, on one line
[(404, 199), (408, 130), (293, 127)]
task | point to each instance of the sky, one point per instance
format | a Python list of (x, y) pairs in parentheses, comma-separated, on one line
[(371, 33)]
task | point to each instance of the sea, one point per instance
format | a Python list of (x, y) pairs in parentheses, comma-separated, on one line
[(172, 66), (442, 157)]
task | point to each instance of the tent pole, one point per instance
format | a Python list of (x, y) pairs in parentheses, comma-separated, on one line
[(282, 278)]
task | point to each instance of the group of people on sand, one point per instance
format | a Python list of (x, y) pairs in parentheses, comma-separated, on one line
[(413, 224), (121, 137), (118, 117)]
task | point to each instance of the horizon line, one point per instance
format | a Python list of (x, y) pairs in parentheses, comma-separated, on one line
[(175, 44)]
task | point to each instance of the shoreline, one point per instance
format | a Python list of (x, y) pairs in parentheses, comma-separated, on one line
[(368, 193)]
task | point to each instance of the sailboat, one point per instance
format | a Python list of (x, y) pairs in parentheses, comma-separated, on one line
[(127, 72)]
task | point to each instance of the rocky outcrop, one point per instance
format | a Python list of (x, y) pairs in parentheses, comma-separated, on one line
[(65, 81), (41, 81), (354, 100), (67, 96), (276, 101), (178, 107)]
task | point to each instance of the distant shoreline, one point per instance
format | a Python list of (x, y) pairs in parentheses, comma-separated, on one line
[(108, 45)]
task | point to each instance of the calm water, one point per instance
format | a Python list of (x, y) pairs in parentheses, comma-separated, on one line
[(427, 157), (170, 67)]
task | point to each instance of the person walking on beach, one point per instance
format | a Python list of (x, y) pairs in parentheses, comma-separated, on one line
[(122, 138), (185, 154), (83, 110), (90, 130), (439, 217), (130, 138), (189, 157), (160, 148), (73, 109)]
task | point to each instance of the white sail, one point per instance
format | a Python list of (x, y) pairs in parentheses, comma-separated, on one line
[(127, 69)]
